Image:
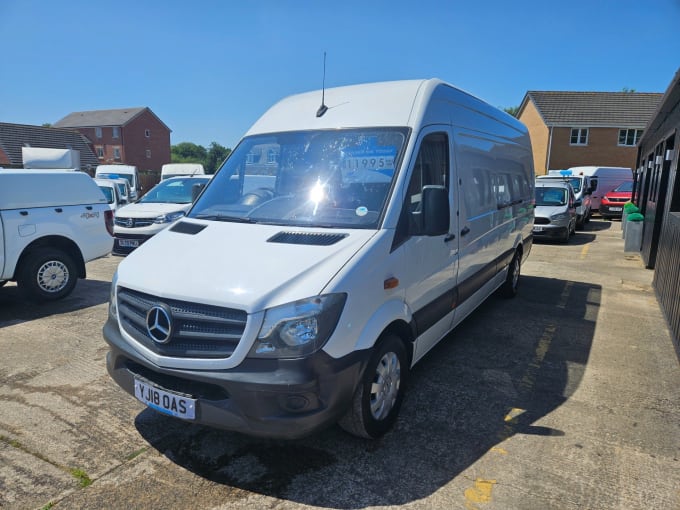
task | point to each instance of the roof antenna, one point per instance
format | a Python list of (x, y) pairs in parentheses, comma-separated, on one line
[(323, 108)]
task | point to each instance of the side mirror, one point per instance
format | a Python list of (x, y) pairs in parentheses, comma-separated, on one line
[(196, 190), (578, 203), (436, 212)]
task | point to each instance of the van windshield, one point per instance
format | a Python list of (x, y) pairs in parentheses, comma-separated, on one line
[(331, 178), (550, 197)]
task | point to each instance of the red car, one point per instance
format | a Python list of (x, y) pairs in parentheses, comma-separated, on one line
[(611, 205)]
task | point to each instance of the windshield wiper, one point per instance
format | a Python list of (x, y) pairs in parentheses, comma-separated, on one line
[(223, 217)]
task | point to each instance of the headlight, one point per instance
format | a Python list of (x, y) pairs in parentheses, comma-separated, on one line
[(113, 307), (169, 217), (560, 217), (298, 329)]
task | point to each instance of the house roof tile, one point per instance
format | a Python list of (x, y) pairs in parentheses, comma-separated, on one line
[(94, 118), (595, 109), (15, 136)]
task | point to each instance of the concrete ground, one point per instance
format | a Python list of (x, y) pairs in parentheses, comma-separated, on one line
[(566, 397)]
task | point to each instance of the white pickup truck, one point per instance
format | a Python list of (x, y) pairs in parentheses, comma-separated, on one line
[(51, 223)]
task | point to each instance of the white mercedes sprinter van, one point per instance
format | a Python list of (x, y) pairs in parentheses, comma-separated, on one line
[(347, 233)]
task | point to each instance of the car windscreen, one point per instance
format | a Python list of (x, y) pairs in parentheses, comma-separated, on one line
[(625, 187), (175, 191), (326, 178)]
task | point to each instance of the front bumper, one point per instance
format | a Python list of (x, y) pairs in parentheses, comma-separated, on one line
[(611, 210), (123, 244), (283, 399), (549, 231)]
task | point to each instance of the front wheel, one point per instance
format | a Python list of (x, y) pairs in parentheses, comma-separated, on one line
[(47, 275), (377, 399)]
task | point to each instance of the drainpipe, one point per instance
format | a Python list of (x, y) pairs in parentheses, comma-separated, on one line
[(547, 163)]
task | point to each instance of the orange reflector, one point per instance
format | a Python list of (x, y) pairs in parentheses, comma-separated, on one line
[(391, 283)]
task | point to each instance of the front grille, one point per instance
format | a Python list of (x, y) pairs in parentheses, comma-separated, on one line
[(618, 200), (538, 220), (133, 222), (198, 330)]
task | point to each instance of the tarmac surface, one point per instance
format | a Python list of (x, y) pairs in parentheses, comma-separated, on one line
[(565, 397)]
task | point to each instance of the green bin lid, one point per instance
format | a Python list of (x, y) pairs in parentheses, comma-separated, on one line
[(635, 217), (630, 207)]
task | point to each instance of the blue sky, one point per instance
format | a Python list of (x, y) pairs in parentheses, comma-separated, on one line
[(209, 69)]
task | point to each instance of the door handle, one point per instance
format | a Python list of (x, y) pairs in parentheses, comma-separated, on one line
[(466, 230), (449, 237)]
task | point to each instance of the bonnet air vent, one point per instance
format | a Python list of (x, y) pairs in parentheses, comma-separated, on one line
[(313, 239), (184, 227)]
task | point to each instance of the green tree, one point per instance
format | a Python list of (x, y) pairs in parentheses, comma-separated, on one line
[(187, 152), (216, 155), (512, 110)]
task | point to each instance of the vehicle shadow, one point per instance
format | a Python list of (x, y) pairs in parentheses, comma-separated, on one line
[(505, 367), (15, 307), (598, 224)]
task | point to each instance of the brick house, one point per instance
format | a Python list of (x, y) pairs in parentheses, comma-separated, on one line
[(585, 128), (131, 136), (15, 136)]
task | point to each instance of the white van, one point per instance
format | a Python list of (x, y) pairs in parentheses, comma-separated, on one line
[(128, 172), (603, 179), (338, 243), (582, 192), (110, 189), (177, 169), (51, 223)]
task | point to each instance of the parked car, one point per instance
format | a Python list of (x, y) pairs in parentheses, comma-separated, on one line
[(163, 204), (581, 185), (555, 212), (612, 202)]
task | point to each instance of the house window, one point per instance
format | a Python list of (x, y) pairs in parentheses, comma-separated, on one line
[(98, 132), (251, 158), (629, 137), (147, 133), (116, 153), (100, 152), (579, 136), (272, 157), (115, 132), (148, 153)]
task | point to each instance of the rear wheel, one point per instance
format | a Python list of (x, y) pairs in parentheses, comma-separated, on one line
[(47, 275), (377, 399), (509, 288)]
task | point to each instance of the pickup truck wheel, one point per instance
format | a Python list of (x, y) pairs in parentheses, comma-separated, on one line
[(377, 399), (47, 275)]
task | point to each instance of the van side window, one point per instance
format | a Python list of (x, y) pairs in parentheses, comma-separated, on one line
[(431, 168)]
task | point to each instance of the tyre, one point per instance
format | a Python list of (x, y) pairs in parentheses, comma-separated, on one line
[(567, 234), (378, 397), (509, 288), (47, 275)]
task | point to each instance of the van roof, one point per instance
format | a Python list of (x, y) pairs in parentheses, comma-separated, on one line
[(23, 189), (387, 104), (113, 169)]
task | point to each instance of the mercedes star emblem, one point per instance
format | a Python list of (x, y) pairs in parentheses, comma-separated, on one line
[(159, 324)]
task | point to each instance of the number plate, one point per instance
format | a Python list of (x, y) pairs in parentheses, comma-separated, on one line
[(128, 243), (616, 209), (538, 229), (165, 401)]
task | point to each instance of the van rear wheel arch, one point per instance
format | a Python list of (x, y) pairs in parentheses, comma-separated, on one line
[(60, 243)]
